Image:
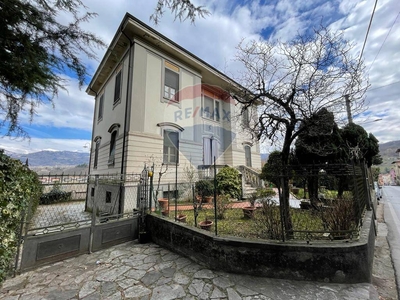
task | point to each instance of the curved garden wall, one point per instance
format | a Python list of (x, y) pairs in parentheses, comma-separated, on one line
[(334, 261)]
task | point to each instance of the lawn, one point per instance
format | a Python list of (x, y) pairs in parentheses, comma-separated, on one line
[(264, 225)]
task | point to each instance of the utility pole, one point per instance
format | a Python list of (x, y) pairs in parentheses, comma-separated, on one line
[(349, 117)]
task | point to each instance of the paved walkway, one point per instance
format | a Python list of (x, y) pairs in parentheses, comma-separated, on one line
[(136, 271), (149, 272)]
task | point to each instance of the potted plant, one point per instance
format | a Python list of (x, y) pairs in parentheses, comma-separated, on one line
[(181, 218), (248, 211), (163, 202), (204, 188), (206, 224)]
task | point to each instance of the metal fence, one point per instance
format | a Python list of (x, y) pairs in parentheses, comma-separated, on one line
[(114, 196), (327, 202), (73, 201)]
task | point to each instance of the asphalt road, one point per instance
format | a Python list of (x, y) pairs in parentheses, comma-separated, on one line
[(391, 196)]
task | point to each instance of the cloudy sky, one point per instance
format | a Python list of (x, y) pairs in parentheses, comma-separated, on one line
[(68, 125)]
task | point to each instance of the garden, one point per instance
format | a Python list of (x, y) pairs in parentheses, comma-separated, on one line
[(260, 216)]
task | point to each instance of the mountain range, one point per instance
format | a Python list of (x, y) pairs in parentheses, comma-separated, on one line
[(52, 158), (70, 158)]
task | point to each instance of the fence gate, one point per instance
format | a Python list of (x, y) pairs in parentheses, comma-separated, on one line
[(94, 212)]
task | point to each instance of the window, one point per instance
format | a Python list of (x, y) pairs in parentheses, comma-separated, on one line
[(117, 90), (101, 105), (210, 150), (171, 147), (171, 82), (246, 118), (96, 153), (92, 192), (211, 109), (247, 154), (113, 141)]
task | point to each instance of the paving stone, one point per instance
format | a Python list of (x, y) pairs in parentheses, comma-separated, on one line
[(204, 274), (164, 265), (196, 287), (151, 277), (182, 262), (151, 259), (88, 288), (15, 283), (168, 272), (168, 292), (135, 274), (217, 294), (163, 281), (222, 282), (143, 266), (112, 274), (127, 282), (108, 288), (170, 257), (136, 291), (16, 297), (180, 278), (232, 294), (116, 296), (94, 296), (62, 295)]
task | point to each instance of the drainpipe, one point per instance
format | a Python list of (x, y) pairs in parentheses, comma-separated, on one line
[(128, 85), (91, 144)]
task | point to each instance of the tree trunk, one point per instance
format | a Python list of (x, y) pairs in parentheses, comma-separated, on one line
[(313, 188), (285, 207)]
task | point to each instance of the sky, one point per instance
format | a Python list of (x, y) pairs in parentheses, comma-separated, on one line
[(68, 125)]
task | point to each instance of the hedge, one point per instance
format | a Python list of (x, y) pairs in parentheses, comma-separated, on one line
[(19, 189)]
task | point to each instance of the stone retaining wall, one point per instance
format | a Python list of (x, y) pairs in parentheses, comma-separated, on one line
[(329, 261)]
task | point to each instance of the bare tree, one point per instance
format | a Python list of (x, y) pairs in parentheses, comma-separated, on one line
[(290, 81), (182, 9)]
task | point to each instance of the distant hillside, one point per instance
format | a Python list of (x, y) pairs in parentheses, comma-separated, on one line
[(388, 153), (52, 158)]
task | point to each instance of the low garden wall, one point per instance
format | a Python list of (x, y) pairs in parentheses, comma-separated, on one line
[(329, 261)]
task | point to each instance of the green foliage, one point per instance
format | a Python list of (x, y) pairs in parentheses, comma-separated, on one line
[(20, 190), (223, 203), (228, 182), (319, 140), (204, 188), (56, 195), (272, 170), (360, 144), (35, 48), (375, 173)]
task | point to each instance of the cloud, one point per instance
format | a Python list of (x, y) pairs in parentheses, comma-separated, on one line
[(38, 144), (214, 39)]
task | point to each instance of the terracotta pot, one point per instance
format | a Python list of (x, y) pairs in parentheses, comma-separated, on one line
[(198, 198), (165, 213), (181, 218), (248, 212), (163, 203), (209, 199), (206, 225)]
